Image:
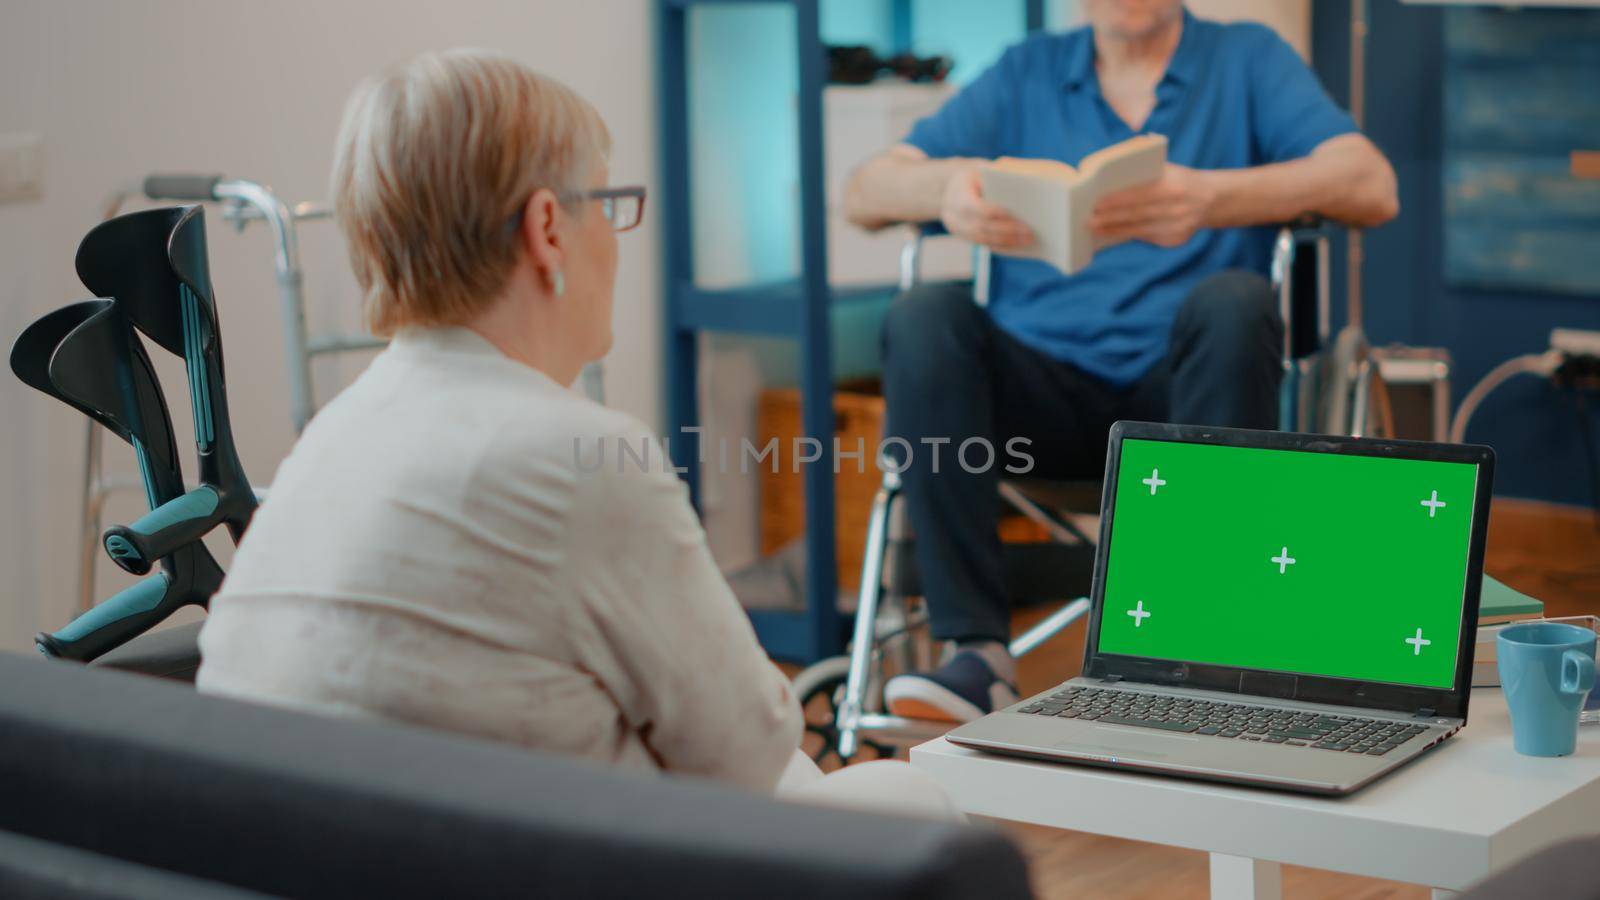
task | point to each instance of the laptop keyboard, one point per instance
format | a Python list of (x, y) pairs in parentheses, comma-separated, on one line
[(1345, 734)]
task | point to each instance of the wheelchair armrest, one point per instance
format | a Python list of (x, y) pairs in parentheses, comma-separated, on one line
[(911, 260), (911, 253), (1299, 274)]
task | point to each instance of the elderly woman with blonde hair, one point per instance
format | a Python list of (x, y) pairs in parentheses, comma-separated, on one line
[(433, 550)]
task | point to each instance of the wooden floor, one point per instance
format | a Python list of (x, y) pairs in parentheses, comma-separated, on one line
[(1549, 552)]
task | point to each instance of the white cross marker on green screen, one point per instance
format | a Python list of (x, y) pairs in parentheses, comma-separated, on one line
[(1433, 503), (1417, 643), (1139, 615), (1154, 481), (1284, 560)]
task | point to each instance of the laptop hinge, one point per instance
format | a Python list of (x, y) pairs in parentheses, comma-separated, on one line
[(1111, 679), (1426, 712)]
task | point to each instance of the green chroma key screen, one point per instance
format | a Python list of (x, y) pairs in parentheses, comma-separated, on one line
[(1289, 561)]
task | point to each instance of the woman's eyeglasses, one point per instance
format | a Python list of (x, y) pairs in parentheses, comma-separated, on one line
[(623, 207)]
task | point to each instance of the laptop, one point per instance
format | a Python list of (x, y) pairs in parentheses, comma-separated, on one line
[(1281, 610)]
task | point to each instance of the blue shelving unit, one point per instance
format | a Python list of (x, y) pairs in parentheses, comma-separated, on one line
[(797, 308)]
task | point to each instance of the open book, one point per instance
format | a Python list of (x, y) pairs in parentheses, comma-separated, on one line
[(1055, 200)]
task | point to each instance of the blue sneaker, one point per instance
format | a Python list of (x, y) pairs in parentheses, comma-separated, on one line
[(961, 690)]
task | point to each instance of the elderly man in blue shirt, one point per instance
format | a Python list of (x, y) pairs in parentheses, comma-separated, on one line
[(1176, 324)]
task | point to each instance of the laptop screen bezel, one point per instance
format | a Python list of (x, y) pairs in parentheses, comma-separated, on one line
[(1451, 702)]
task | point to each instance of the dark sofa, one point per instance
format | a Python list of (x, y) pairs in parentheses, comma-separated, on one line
[(117, 785)]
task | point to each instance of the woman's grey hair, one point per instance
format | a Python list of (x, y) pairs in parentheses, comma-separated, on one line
[(433, 160)]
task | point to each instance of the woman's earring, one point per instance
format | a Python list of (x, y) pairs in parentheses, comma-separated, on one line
[(559, 283)]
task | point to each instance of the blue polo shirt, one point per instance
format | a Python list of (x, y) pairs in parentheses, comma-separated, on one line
[(1234, 95)]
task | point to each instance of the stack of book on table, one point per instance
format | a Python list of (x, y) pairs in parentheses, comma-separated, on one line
[(1498, 607)]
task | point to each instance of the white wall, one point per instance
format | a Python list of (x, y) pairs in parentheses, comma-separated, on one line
[(253, 90)]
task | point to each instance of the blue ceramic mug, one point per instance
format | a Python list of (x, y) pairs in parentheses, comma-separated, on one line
[(1546, 671)]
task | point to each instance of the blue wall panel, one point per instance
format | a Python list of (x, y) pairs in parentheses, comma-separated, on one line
[(744, 140), (869, 22), (972, 34)]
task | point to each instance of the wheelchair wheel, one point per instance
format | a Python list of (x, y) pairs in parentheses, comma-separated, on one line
[(820, 690)]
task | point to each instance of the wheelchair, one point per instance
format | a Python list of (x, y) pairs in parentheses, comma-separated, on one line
[(1330, 386)]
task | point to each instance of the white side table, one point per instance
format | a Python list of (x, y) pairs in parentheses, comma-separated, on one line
[(1469, 808)]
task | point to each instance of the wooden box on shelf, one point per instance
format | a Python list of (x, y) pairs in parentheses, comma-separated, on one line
[(857, 421)]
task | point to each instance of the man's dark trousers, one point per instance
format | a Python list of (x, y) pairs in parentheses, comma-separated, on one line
[(951, 374)]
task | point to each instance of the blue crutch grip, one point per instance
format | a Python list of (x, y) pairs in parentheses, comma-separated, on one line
[(118, 619), (179, 521)]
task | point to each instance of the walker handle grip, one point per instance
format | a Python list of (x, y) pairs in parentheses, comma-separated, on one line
[(119, 619), (181, 187), (162, 530)]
